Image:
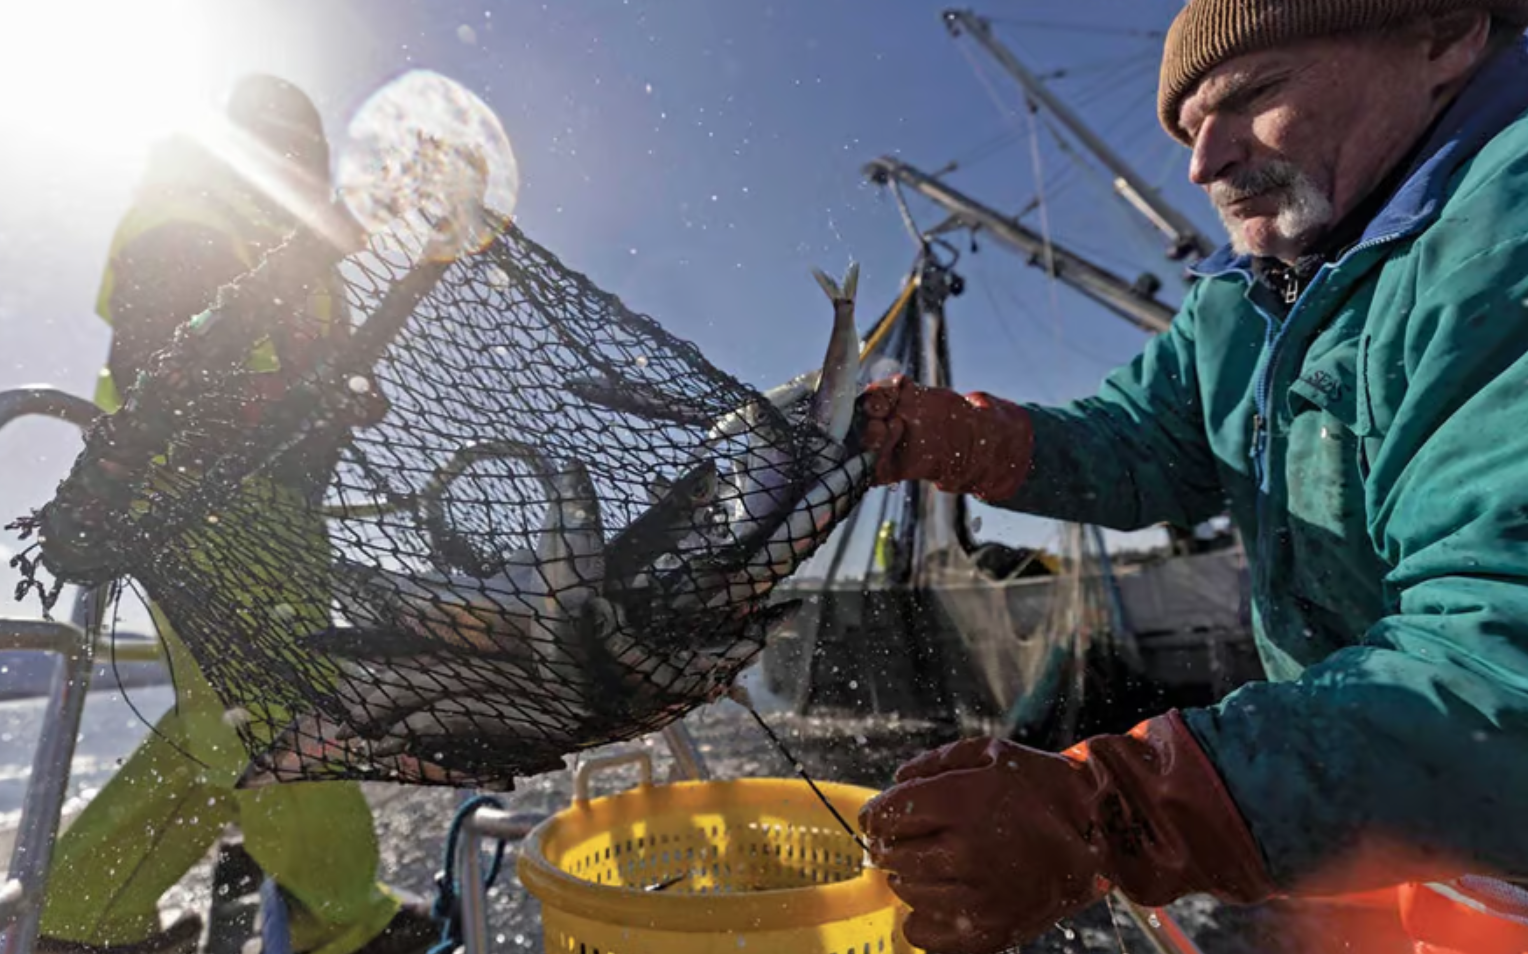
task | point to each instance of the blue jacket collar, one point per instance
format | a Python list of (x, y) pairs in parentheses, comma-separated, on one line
[(1493, 100)]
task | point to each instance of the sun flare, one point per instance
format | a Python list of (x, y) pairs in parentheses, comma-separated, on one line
[(99, 79)]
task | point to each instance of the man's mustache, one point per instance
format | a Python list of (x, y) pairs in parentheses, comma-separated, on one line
[(1251, 183)]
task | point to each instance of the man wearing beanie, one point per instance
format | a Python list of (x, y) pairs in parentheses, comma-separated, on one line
[(1350, 376)]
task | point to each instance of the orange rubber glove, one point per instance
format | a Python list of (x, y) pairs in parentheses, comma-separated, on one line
[(991, 842), (975, 443)]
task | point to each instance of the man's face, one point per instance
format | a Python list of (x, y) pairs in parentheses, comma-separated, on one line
[(1287, 142)]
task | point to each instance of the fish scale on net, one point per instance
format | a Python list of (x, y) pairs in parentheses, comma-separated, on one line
[(564, 532)]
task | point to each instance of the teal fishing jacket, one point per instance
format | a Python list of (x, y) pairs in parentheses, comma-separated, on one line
[(1371, 439)]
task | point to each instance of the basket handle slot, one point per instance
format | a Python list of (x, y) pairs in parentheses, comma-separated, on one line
[(609, 763)]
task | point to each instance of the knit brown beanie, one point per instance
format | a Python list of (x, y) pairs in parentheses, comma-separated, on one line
[(1207, 33)]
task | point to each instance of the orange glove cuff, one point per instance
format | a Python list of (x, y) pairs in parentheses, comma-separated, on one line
[(1171, 827), (1004, 449)]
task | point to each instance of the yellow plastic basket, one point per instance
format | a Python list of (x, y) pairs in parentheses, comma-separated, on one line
[(748, 865)]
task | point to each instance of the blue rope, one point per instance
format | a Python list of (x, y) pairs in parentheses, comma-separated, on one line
[(447, 908)]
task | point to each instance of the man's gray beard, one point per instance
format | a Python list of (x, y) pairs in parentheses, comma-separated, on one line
[(1304, 210)]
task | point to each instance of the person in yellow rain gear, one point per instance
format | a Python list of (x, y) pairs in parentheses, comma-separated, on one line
[(198, 222)]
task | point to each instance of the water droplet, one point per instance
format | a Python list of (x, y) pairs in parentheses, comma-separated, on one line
[(358, 384), (641, 361), (429, 163), (1153, 920), (468, 35), (212, 518)]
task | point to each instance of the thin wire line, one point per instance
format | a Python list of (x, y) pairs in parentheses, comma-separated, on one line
[(116, 617), (1045, 226), (906, 213), (1080, 27), (801, 770)]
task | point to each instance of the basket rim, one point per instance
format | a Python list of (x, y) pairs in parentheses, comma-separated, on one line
[(753, 911)]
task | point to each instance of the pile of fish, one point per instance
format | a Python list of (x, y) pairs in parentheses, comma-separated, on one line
[(446, 677)]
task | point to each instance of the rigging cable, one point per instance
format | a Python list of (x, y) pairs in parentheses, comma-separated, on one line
[(1043, 195), (1080, 27), (1027, 314), (907, 215), (1044, 207), (1031, 133), (983, 150)]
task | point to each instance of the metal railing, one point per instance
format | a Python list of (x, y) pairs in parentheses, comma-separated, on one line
[(74, 644), (513, 827)]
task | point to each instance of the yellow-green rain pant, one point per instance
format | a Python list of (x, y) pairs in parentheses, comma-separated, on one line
[(161, 813)]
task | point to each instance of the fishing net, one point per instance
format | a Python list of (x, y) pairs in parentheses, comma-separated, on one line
[(504, 519)]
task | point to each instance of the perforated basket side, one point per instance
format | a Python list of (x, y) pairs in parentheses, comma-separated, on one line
[(760, 862)]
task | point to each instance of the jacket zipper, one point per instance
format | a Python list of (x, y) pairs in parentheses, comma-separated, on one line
[(1260, 418), (1291, 288), (1293, 296)]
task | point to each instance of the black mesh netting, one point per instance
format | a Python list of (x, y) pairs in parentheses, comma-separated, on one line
[(504, 520)]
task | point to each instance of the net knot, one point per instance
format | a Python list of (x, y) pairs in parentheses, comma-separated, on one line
[(28, 567)]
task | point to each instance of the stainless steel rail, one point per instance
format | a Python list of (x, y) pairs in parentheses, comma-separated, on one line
[(74, 643)]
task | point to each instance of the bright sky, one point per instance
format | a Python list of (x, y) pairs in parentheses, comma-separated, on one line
[(695, 158)]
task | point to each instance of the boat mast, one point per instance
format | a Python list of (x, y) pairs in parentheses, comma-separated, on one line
[(1133, 301), (1187, 241)]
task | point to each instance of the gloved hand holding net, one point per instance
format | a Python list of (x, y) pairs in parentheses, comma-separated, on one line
[(563, 531)]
